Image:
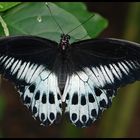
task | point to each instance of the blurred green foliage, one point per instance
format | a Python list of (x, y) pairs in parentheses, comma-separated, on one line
[(7, 5)]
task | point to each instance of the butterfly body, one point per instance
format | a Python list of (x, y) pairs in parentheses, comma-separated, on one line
[(64, 42), (85, 75)]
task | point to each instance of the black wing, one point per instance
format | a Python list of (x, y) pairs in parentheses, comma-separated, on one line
[(99, 68), (29, 62)]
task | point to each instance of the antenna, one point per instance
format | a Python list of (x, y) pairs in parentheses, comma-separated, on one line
[(81, 24), (81, 38), (46, 4)]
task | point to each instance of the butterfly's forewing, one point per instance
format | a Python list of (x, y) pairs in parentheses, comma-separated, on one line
[(29, 62), (99, 68)]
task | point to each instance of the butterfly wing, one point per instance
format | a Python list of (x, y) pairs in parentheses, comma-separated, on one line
[(29, 61), (99, 68)]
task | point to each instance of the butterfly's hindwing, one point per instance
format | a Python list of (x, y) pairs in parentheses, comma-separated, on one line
[(43, 98), (85, 101), (31, 72), (100, 68)]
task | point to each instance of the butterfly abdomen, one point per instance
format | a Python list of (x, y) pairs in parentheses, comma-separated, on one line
[(62, 79)]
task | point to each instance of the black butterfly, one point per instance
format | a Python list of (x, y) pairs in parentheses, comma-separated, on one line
[(89, 71)]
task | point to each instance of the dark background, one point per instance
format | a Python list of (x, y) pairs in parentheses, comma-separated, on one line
[(115, 12)]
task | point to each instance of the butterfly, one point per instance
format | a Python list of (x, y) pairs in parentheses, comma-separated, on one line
[(80, 79), (77, 79)]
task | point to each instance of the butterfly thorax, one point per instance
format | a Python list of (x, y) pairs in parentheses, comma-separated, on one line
[(64, 42)]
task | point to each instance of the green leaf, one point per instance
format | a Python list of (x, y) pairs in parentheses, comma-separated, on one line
[(94, 26), (7, 5), (35, 19)]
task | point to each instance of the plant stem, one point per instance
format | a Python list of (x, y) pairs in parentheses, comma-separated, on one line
[(4, 25)]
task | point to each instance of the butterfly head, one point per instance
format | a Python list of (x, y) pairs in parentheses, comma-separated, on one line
[(64, 42)]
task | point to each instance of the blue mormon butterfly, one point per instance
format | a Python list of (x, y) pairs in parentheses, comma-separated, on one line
[(80, 78)]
